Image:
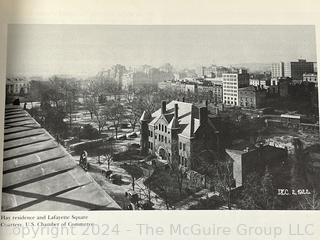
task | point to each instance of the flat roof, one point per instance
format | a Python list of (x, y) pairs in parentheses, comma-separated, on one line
[(40, 175)]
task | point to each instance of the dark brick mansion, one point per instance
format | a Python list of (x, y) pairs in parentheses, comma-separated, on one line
[(178, 133)]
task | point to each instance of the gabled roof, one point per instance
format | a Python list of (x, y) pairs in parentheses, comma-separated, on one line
[(185, 113), (186, 132), (145, 116)]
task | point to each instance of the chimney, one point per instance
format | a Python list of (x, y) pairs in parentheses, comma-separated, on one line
[(176, 110), (192, 125), (203, 116), (163, 107)]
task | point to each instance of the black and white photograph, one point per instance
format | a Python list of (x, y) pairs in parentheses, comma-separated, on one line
[(161, 117)]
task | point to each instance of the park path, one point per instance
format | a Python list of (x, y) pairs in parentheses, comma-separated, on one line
[(118, 191)]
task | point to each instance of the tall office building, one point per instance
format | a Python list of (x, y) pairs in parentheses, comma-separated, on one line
[(277, 70), (295, 70), (315, 68), (231, 84)]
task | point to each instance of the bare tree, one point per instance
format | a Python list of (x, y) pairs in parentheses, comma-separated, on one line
[(180, 175), (310, 202), (101, 118), (163, 182), (113, 89), (259, 192), (224, 180), (91, 104), (114, 112), (133, 107)]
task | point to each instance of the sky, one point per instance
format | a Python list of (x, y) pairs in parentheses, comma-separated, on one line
[(87, 49)]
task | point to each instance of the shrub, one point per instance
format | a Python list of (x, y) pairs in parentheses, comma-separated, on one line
[(89, 132)]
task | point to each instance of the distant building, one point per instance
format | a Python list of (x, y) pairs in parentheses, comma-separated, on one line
[(283, 87), (295, 70), (231, 84), (212, 92), (17, 86), (295, 121), (190, 88), (177, 132), (315, 67), (185, 87), (277, 70), (251, 97), (206, 89), (213, 71), (127, 80), (115, 73), (207, 72), (279, 86), (173, 85), (310, 77), (215, 81), (262, 83)]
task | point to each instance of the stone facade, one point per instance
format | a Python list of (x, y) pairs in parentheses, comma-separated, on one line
[(231, 84), (177, 132), (16, 86), (251, 97)]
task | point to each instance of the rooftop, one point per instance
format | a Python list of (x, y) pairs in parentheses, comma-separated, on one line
[(185, 112), (39, 174)]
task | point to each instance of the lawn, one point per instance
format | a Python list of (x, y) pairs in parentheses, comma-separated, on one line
[(165, 183), (133, 170)]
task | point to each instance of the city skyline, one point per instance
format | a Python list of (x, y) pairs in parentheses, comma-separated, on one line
[(87, 49)]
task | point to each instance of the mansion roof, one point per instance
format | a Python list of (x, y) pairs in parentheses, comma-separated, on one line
[(186, 112)]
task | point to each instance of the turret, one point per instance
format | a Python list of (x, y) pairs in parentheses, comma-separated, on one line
[(144, 132)]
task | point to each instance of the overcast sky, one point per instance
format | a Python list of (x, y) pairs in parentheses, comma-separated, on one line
[(86, 49)]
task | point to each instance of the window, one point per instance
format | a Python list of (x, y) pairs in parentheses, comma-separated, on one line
[(165, 139), (180, 145), (151, 134), (162, 128), (155, 136), (184, 147), (165, 128)]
